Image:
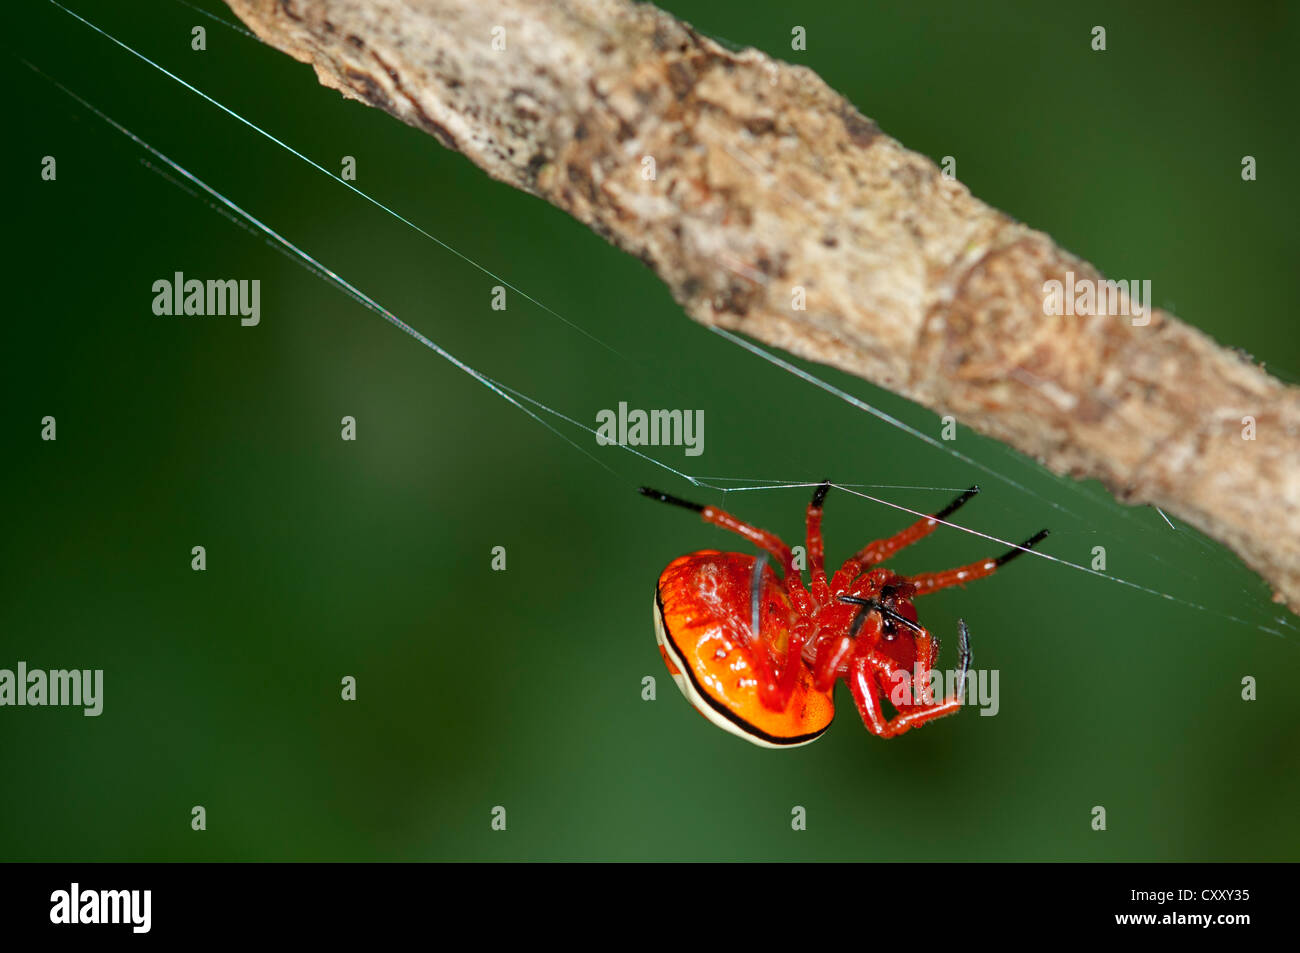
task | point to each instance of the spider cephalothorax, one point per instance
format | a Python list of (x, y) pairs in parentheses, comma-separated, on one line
[(759, 654)]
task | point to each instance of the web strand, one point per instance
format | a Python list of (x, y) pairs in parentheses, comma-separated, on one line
[(228, 208), (348, 185)]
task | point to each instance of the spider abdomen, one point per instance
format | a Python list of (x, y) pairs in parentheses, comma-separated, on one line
[(702, 615)]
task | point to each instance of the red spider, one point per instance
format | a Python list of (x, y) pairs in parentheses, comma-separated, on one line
[(759, 656)]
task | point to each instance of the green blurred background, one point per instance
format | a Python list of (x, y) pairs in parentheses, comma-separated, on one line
[(523, 688)]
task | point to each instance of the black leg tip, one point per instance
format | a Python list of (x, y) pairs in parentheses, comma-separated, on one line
[(663, 497), (819, 494), (956, 504), (1028, 544)]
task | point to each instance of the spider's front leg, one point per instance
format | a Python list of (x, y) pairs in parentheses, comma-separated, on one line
[(821, 589), (880, 550), (864, 683), (933, 581)]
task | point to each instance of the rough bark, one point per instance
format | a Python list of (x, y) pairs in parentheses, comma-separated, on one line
[(767, 180)]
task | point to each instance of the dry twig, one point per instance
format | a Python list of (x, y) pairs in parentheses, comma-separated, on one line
[(767, 181)]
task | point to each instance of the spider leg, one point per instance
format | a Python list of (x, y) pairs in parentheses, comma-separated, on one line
[(778, 698), (833, 652), (774, 691), (934, 581), (866, 695), (864, 684), (756, 596), (927, 646), (821, 589), (881, 549), (776, 666), (768, 542)]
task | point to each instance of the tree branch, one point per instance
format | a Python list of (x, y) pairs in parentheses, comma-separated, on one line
[(767, 182)]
